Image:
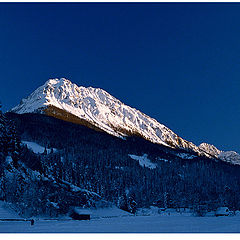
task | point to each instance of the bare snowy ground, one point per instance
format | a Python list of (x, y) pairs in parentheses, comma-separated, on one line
[(143, 161), (36, 148), (129, 224)]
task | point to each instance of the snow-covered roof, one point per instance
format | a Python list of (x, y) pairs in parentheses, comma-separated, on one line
[(222, 210)]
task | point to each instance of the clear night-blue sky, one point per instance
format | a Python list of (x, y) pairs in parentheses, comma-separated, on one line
[(178, 63)]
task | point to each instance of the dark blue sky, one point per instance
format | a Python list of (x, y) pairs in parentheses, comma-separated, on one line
[(179, 63)]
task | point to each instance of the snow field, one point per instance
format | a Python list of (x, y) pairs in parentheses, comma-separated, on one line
[(130, 224), (143, 161), (36, 148)]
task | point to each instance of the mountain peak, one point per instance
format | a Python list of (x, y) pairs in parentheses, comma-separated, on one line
[(100, 109), (57, 81), (211, 149)]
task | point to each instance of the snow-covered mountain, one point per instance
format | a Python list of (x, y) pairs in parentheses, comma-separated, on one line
[(211, 149), (230, 156), (97, 109), (227, 156)]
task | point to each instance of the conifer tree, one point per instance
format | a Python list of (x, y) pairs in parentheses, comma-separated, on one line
[(3, 133), (10, 143)]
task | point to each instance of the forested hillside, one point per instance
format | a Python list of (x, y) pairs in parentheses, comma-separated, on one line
[(100, 163), (25, 185)]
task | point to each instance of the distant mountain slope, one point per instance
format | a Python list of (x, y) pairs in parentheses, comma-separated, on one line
[(226, 156), (97, 109), (52, 133)]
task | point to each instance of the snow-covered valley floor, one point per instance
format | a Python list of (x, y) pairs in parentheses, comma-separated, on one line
[(129, 224)]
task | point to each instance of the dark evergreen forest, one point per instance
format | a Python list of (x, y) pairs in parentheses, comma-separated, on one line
[(99, 163)]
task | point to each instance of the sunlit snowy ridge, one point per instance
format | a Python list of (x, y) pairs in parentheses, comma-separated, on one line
[(105, 112)]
